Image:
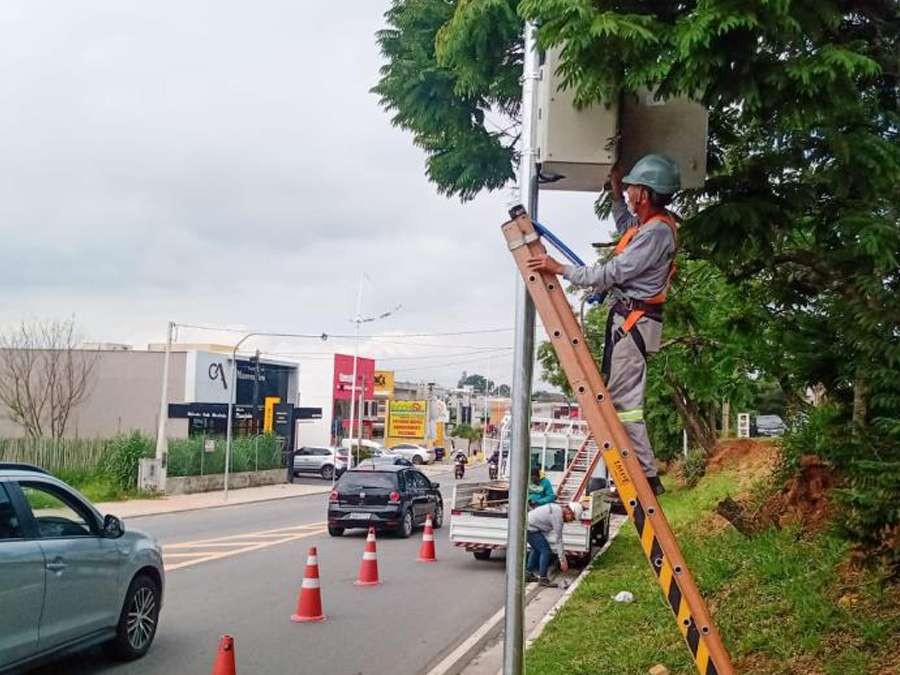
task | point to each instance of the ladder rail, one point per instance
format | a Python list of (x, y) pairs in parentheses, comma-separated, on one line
[(657, 539)]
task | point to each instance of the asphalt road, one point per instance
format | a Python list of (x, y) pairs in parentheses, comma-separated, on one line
[(404, 626)]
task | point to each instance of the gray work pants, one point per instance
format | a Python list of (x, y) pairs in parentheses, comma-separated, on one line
[(627, 381)]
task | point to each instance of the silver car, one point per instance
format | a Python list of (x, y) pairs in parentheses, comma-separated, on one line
[(74, 577), (320, 460)]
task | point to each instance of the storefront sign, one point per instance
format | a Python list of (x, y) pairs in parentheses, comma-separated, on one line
[(343, 377), (407, 419), (384, 383)]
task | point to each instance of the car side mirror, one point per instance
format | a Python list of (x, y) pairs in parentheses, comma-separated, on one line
[(112, 527), (435, 485)]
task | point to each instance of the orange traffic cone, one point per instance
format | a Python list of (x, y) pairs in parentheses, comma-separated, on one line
[(224, 663), (309, 604), (368, 569), (426, 551)]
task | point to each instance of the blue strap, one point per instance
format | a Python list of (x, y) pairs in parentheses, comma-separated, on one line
[(570, 255)]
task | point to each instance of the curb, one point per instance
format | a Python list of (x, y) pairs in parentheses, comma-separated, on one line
[(456, 662), (459, 658), (223, 505)]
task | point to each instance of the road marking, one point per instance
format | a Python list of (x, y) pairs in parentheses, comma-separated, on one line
[(190, 553)]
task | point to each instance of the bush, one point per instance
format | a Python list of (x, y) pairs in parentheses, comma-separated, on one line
[(123, 454), (187, 456), (693, 467), (868, 466)]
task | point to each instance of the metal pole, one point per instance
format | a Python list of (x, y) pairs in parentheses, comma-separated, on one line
[(353, 382), (523, 367), (232, 401), (162, 444)]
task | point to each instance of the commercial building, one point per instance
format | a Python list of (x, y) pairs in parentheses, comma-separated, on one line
[(125, 386)]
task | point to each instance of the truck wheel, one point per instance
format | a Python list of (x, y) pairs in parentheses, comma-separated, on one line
[(335, 531), (482, 554)]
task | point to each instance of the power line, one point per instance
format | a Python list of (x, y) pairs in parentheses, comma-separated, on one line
[(325, 335)]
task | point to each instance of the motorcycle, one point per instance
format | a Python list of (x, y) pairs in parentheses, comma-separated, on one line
[(459, 468), (492, 470)]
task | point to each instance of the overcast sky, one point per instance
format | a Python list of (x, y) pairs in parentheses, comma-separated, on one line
[(223, 163)]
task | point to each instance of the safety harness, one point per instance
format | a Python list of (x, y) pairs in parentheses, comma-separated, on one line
[(632, 309)]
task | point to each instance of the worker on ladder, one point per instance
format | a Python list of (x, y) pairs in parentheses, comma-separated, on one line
[(637, 278)]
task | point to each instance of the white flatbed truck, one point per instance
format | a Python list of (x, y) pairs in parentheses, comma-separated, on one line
[(478, 521)]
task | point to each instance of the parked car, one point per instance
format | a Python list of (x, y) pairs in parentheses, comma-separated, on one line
[(395, 498), (71, 578), (321, 460), (417, 454), (768, 425), (383, 459)]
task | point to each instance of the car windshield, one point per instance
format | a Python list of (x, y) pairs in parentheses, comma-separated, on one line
[(367, 481)]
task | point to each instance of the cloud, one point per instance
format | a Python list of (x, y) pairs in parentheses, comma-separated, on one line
[(217, 163)]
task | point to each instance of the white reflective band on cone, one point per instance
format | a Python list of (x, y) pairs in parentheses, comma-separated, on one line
[(427, 537), (369, 555), (310, 583), (312, 560)]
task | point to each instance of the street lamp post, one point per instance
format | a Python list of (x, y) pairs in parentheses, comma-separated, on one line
[(232, 401), (162, 443), (523, 367)]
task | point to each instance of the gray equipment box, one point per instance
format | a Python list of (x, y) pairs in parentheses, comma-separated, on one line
[(581, 145)]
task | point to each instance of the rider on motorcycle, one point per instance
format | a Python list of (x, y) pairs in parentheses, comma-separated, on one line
[(460, 462)]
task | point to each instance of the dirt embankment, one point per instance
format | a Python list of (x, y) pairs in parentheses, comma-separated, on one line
[(803, 501)]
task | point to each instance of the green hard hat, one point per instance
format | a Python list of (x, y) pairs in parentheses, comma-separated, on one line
[(657, 172)]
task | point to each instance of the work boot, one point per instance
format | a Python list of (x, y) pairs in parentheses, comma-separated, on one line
[(656, 485), (546, 583), (531, 577)]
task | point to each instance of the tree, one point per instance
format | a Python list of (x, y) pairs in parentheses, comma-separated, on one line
[(800, 208), (479, 383), (43, 376)]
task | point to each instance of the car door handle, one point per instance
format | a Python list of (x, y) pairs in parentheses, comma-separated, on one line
[(56, 566)]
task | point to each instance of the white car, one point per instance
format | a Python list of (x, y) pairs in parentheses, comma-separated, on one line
[(417, 454)]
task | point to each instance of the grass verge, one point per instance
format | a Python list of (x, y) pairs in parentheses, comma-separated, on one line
[(784, 603)]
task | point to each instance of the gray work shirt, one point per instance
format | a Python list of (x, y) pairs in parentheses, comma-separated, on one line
[(640, 271), (546, 519)]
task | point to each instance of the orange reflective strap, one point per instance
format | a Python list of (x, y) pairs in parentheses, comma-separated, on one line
[(632, 319), (625, 239)]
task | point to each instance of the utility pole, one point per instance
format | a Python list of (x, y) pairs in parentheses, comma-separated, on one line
[(162, 443), (357, 321), (523, 367), (256, 393)]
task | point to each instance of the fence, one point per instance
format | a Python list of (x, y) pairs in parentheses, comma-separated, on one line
[(186, 456), (56, 454)]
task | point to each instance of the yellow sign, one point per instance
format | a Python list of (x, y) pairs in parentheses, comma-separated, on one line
[(269, 413), (407, 419), (384, 383)]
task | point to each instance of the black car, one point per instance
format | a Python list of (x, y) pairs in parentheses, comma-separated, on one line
[(389, 497)]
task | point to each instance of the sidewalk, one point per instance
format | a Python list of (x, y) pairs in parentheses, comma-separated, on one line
[(135, 508)]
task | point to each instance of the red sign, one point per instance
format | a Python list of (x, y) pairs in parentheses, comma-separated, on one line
[(343, 377)]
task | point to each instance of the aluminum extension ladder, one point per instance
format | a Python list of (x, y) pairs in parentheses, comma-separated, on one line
[(657, 540)]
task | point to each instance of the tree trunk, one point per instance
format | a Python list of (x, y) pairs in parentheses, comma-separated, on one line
[(691, 416)]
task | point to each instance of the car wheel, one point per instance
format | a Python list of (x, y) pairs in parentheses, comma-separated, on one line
[(406, 525), (482, 555), (327, 472), (138, 620), (335, 531), (417, 459), (438, 518)]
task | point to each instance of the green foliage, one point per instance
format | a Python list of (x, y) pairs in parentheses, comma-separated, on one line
[(467, 432), (121, 462), (777, 601), (870, 495), (479, 383), (451, 67), (692, 467), (248, 453), (791, 248)]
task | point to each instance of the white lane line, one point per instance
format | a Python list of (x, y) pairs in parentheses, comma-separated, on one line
[(244, 549)]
